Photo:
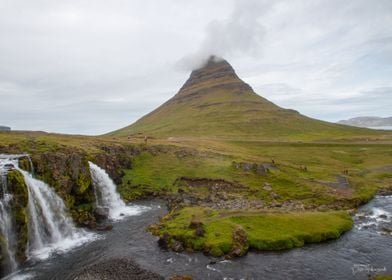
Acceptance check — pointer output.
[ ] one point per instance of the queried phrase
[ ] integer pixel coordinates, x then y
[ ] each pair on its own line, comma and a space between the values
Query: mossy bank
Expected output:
233, 233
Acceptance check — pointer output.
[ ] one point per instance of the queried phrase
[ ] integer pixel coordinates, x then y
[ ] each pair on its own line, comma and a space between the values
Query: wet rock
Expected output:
119, 269
101, 214
104, 227
383, 216
9, 166
385, 192
177, 246
163, 241
387, 230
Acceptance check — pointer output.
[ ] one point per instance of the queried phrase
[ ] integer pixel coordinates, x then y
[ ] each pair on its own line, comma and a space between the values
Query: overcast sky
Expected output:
90, 67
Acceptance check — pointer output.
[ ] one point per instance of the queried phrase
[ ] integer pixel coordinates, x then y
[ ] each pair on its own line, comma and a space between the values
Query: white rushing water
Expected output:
50, 227
378, 216
107, 196
6, 225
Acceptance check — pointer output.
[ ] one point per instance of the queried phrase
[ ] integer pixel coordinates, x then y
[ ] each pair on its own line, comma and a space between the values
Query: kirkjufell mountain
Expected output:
215, 102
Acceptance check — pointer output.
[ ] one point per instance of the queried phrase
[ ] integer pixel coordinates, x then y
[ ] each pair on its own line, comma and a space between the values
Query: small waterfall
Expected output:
107, 196
6, 225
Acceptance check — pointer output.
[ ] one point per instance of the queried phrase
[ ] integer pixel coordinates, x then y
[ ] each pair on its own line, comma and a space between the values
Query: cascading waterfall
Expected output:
107, 197
50, 228
6, 225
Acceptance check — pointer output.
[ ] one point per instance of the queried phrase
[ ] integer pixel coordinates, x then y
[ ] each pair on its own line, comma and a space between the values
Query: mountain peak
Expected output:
212, 62
214, 72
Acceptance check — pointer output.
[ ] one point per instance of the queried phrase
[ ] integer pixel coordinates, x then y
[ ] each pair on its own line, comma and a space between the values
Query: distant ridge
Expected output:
215, 102
4, 128
368, 121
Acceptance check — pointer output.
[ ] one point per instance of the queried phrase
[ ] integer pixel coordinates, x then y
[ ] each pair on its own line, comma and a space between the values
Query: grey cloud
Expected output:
94, 66
241, 33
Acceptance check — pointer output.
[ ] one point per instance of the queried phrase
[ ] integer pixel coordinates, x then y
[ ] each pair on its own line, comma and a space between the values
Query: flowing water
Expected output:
362, 251
6, 225
365, 248
107, 196
50, 228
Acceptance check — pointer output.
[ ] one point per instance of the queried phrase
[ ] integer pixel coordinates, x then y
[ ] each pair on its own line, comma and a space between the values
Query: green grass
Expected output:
265, 230
158, 172
383, 277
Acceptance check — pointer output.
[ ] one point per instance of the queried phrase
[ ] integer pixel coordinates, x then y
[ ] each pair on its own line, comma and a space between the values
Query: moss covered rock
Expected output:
67, 171
25, 164
17, 187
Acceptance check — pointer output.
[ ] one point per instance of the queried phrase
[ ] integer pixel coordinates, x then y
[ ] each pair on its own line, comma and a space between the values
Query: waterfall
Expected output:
50, 228
6, 225
107, 196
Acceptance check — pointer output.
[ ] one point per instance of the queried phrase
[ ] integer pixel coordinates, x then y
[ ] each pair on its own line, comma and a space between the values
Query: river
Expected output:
363, 249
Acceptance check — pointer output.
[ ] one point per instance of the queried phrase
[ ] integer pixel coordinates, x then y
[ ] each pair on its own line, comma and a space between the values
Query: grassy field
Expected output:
365, 166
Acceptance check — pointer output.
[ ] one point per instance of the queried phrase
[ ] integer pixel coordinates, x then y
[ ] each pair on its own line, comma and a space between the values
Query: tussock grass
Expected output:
265, 230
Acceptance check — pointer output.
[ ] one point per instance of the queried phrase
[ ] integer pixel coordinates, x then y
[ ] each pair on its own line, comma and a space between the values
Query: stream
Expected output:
363, 250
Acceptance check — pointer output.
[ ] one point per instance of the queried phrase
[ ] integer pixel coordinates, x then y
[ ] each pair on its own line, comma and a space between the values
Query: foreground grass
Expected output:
233, 233
383, 277
158, 172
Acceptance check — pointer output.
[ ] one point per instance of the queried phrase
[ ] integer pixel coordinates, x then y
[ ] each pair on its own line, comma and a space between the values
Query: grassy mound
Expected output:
233, 233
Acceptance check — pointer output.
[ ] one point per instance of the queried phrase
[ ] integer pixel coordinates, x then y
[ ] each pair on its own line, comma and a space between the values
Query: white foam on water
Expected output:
374, 218
64, 245
107, 196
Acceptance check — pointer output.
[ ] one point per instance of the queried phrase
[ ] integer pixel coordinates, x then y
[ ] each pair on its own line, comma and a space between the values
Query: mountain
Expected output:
368, 121
215, 102
4, 128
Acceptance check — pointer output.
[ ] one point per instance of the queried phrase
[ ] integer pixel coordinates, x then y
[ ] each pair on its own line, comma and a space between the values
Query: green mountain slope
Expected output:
215, 102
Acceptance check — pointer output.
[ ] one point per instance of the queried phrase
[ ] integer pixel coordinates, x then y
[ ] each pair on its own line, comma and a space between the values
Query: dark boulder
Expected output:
101, 214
